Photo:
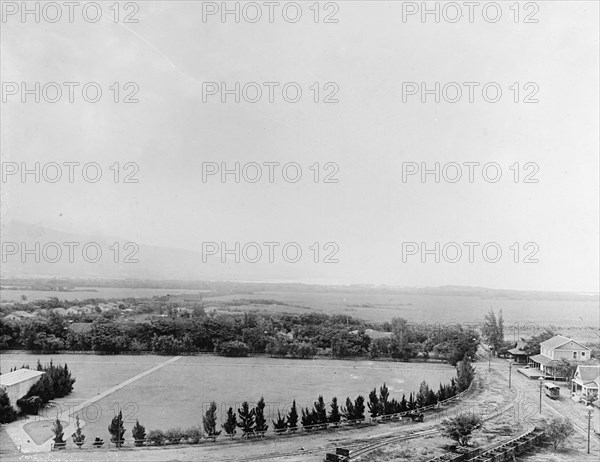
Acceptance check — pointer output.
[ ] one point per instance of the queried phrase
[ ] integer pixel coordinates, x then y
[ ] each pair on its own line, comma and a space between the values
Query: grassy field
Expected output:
93, 373
177, 394
378, 307
84, 293
523, 311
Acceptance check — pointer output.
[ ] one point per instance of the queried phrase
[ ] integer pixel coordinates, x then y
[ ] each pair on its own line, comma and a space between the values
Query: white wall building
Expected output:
16, 384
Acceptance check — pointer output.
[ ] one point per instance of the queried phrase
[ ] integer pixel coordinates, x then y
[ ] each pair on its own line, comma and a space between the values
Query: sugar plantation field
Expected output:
175, 395
83, 293
370, 306
519, 315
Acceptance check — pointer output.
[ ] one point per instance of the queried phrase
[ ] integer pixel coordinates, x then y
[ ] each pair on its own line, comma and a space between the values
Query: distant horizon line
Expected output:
306, 282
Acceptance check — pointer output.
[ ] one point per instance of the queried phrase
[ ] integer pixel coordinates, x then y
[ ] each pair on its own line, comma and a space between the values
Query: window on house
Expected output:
574, 355
583, 354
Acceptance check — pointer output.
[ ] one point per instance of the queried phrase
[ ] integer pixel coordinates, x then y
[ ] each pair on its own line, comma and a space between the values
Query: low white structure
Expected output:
16, 384
18, 315
586, 380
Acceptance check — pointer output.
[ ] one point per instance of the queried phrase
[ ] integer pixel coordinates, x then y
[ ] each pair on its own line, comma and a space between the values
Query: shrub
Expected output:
139, 434
230, 424
302, 350
30, 404
558, 430
233, 349
117, 430
292, 418
334, 413
185, 434
209, 422
246, 422
309, 419
194, 434
461, 427
7, 413
280, 425
174, 435
465, 374
260, 421
359, 409
156, 437
98, 442
78, 436
57, 429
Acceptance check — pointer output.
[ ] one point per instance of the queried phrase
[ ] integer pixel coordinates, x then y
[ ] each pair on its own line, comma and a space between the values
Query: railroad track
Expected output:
397, 439
361, 451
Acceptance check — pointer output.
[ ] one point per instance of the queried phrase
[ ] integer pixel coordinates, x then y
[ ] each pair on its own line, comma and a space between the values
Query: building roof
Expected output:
22, 314
81, 327
377, 334
517, 352
559, 340
555, 341
12, 378
374, 334
545, 360
588, 373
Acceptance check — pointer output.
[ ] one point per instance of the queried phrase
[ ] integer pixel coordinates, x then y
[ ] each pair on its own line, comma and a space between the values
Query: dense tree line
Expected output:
57, 382
281, 335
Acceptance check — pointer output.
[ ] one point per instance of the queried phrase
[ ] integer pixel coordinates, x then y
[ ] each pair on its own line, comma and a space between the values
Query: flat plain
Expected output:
178, 394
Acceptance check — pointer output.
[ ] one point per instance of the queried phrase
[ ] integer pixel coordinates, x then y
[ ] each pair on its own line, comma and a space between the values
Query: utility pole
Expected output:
118, 426
590, 411
541, 379
509, 372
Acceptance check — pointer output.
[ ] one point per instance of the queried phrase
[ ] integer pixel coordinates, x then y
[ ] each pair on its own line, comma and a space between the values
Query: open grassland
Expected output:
518, 315
177, 394
93, 373
522, 311
83, 293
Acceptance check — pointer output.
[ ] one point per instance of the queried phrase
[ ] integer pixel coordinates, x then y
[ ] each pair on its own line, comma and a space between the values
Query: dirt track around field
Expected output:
513, 408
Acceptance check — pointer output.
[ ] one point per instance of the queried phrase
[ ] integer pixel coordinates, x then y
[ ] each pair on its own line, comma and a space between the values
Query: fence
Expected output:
413, 415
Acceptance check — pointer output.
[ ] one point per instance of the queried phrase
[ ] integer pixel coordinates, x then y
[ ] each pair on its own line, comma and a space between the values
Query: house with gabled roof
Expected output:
74, 310
518, 354
18, 315
555, 349
17, 383
586, 380
597, 402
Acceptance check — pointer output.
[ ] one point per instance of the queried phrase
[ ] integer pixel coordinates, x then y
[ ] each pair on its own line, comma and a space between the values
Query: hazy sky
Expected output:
369, 134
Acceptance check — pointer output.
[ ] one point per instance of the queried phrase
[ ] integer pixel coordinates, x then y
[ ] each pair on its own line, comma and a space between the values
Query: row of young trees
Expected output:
252, 421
